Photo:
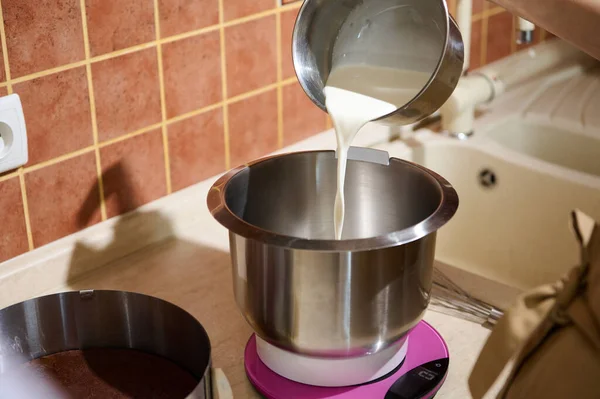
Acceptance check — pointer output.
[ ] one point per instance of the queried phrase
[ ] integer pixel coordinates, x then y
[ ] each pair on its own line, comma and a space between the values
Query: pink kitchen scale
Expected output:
420, 374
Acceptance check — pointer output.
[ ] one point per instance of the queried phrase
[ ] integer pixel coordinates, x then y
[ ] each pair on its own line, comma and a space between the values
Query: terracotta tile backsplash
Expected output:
288, 18
476, 58
57, 114
478, 6
234, 9
301, 118
42, 34
117, 24
251, 51
253, 127
180, 16
58, 193
2, 72
127, 93
128, 101
196, 148
192, 73
499, 45
13, 240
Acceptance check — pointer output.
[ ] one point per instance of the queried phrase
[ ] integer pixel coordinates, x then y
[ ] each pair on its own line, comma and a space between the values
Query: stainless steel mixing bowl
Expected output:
105, 319
305, 292
414, 35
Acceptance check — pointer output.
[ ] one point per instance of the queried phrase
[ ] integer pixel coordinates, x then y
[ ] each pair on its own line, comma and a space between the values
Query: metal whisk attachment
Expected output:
448, 298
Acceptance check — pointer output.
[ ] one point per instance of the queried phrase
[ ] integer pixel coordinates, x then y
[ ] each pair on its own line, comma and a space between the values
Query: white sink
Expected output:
512, 223
556, 145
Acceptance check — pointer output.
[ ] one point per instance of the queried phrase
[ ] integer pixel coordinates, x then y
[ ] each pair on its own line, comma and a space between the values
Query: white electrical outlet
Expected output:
13, 134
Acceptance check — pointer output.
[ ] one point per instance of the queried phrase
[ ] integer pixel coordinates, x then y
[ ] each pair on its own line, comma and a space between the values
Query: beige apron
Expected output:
552, 334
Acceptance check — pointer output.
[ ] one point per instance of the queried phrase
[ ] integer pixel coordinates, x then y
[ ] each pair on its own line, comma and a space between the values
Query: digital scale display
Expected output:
420, 381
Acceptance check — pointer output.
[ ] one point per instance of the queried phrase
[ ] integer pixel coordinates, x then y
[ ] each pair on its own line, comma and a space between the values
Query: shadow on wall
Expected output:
132, 231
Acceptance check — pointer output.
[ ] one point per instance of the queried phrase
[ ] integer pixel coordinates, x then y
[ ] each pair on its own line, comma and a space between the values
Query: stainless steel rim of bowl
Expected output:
217, 205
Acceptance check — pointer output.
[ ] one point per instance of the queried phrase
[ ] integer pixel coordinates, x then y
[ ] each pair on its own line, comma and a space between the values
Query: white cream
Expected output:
356, 95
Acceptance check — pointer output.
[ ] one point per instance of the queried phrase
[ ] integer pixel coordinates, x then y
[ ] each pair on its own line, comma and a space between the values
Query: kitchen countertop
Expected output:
192, 269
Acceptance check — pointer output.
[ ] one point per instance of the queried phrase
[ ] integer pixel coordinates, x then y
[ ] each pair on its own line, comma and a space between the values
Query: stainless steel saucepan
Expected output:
304, 291
411, 35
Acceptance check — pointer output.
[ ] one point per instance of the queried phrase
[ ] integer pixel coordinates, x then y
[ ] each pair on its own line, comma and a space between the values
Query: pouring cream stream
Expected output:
356, 95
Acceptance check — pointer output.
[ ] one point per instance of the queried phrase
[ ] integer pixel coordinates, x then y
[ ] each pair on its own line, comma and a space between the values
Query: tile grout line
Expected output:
196, 112
47, 72
328, 123
9, 176
252, 93
163, 103
26, 209
187, 35
20, 171
7, 76
248, 18
495, 11
289, 81
123, 51
478, 17
486, 12
59, 159
278, 42
90, 82
133, 134
226, 139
